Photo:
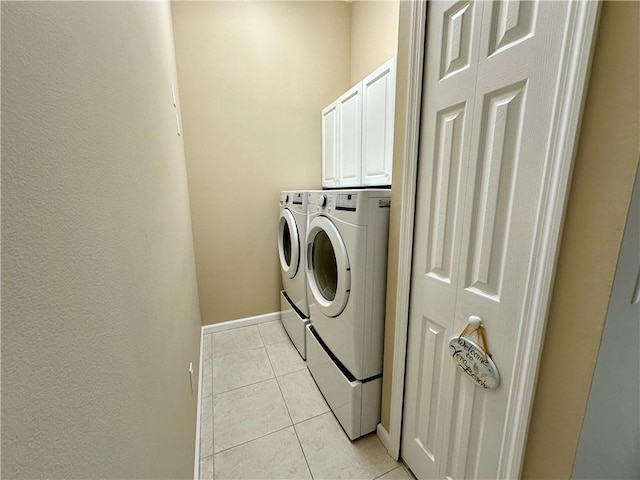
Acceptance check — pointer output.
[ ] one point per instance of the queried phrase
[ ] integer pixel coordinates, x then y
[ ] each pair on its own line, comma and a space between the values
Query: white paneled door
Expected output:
491, 87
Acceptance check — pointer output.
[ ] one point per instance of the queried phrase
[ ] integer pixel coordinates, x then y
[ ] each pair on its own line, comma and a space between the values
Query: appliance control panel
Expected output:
294, 200
347, 202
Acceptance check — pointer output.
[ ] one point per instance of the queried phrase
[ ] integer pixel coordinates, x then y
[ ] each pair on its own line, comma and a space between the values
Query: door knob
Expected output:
475, 321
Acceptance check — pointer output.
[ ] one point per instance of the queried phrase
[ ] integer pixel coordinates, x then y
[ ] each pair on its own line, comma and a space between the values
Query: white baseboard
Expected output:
242, 322
383, 435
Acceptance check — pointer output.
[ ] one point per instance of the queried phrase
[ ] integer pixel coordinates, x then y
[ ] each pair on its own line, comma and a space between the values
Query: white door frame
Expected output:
567, 113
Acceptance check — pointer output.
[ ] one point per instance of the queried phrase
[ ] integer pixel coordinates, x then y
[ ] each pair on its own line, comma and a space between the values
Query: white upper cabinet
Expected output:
357, 133
330, 146
378, 108
350, 137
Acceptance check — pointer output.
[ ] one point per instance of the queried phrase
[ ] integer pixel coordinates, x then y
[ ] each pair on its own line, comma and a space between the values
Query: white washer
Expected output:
346, 249
292, 230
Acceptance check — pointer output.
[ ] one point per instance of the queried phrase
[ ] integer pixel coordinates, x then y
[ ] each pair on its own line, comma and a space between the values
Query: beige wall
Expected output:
254, 77
602, 183
374, 35
600, 192
99, 303
251, 112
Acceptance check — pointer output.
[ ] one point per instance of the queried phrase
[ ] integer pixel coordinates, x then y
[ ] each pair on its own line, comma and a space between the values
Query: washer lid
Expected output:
328, 271
288, 244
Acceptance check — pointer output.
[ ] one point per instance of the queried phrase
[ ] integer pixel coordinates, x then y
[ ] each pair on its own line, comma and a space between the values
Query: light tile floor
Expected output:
263, 416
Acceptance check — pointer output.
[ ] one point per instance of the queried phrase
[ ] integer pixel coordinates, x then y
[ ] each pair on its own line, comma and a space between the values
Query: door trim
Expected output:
418, 24
567, 113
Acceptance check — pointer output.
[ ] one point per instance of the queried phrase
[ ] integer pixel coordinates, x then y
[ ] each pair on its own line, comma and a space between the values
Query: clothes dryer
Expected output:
346, 250
292, 229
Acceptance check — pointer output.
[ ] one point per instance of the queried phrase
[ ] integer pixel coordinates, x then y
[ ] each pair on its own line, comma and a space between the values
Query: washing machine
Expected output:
292, 230
346, 250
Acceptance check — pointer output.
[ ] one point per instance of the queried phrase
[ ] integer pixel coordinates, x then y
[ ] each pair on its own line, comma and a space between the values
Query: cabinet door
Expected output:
350, 137
330, 146
378, 105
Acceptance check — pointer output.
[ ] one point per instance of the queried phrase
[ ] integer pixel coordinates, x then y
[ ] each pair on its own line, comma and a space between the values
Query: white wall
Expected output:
99, 301
610, 440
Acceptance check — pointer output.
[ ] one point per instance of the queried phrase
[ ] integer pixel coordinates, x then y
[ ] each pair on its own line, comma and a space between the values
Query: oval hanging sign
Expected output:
474, 362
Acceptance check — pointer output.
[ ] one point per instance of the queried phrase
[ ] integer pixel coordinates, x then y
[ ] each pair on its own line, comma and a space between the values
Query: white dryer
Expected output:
346, 249
292, 230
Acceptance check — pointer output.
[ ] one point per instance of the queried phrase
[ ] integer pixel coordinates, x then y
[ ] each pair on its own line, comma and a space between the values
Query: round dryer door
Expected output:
288, 244
328, 271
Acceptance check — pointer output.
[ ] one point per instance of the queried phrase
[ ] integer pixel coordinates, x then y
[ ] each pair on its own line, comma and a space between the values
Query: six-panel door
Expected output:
490, 86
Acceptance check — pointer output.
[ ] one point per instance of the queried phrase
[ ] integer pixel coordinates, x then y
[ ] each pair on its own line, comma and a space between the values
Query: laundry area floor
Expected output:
262, 415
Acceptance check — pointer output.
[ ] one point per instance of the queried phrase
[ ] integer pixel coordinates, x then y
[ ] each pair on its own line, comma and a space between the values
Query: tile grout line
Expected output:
400, 464
311, 418
264, 346
251, 440
275, 431
203, 397
243, 386
211, 378
304, 367
201, 422
259, 381
293, 425
273, 343
261, 337
266, 350
213, 433
388, 471
237, 388
271, 364
236, 353
303, 454
213, 468
284, 401
306, 419
214, 394
300, 442
276, 377
293, 371
280, 389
